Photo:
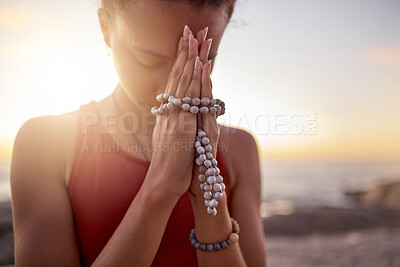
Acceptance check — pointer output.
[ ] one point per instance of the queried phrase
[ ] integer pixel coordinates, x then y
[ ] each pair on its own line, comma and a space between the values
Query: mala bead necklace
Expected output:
209, 174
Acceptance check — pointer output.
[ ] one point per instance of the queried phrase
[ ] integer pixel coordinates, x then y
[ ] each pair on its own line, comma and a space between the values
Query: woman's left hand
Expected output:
207, 122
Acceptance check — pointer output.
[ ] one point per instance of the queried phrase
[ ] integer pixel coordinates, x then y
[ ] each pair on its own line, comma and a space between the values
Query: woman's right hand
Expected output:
175, 131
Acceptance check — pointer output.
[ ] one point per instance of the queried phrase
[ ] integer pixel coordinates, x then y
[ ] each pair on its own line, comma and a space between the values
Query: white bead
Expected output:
223, 187
202, 186
171, 98
177, 101
210, 171
205, 140
185, 107
166, 96
200, 150
213, 110
213, 203
219, 179
205, 101
212, 211
201, 177
160, 110
202, 157
219, 109
218, 195
211, 179
170, 105
212, 102
209, 155
207, 202
207, 194
214, 162
165, 106
207, 187
217, 187
217, 171
204, 110
201, 134
208, 148
186, 100
159, 97
207, 163
196, 101
194, 109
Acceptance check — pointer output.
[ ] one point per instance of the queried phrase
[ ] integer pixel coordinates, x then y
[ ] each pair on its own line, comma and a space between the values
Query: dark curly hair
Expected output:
113, 5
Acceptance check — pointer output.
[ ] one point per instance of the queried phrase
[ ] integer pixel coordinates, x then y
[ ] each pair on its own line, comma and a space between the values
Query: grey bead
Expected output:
228, 242
185, 107
217, 171
194, 109
218, 195
208, 148
217, 187
202, 186
210, 247
202, 169
199, 162
219, 109
205, 140
213, 102
219, 179
211, 179
207, 194
207, 163
204, 110
203, 246
193, 241
224, 244
217, 246
201, 177
177, 101
197, 245
218, 101
197, 144
210, 171
202, 157
214, 162
207, 202
207, 187
196, 101
200, 150
186, 100
213, 110
205, 101
208, 154
201, 133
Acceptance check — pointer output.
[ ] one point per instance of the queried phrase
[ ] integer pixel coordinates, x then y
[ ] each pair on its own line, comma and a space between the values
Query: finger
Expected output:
187, 74
205, 50
194, 89
179, 46
201, 36
179, 64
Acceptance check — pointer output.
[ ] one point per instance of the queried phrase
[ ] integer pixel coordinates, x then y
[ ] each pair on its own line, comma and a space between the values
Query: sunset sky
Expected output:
331, 66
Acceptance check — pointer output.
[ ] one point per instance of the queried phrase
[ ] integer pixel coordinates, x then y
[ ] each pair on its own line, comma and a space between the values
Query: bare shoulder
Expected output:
240, 150
46, 142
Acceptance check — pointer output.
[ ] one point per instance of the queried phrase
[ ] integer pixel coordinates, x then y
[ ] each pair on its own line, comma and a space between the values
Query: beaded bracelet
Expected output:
209, 177
233, 238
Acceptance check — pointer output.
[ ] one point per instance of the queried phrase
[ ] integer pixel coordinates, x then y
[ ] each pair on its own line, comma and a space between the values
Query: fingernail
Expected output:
185, 32
197, 65
205, 33
209, 46
191, 40
209, 63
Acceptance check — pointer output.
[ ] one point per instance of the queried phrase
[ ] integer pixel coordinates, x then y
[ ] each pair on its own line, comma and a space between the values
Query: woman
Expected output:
80, 197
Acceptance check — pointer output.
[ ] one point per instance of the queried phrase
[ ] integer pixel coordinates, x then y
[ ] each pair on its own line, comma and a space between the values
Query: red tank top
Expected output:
104, 181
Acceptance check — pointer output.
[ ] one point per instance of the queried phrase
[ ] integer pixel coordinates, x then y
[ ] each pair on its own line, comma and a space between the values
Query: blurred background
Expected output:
321, 83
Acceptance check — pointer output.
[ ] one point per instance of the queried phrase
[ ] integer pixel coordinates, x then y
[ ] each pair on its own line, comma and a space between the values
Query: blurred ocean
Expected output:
286, 185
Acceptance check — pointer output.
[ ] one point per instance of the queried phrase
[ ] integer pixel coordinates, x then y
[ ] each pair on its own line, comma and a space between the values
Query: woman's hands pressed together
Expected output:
174, 133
